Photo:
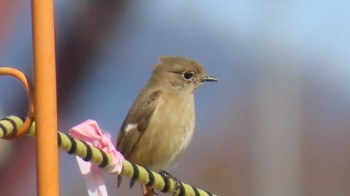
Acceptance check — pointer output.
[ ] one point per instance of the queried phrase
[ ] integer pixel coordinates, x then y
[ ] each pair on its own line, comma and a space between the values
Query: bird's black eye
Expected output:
187, 75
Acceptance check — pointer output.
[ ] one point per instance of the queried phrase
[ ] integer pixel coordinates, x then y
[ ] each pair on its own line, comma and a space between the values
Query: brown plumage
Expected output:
161, 121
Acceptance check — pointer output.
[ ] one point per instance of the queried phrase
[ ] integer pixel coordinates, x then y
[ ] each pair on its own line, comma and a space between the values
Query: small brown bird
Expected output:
161, 121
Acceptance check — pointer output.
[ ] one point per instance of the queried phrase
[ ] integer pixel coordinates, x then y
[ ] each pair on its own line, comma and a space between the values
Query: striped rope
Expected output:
10, 124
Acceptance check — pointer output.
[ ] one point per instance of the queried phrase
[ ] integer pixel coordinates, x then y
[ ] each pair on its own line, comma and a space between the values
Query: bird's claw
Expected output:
169, 176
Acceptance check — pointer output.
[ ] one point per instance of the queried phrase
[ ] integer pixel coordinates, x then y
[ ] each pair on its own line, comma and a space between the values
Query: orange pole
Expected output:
45, 97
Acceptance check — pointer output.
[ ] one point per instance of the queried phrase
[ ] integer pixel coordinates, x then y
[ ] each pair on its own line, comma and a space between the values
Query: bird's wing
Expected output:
137, 121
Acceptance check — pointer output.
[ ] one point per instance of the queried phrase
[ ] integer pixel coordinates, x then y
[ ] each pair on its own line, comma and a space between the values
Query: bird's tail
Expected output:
119, 180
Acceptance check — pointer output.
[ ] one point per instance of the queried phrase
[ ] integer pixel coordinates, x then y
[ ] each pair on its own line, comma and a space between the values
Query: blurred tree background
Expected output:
277, 123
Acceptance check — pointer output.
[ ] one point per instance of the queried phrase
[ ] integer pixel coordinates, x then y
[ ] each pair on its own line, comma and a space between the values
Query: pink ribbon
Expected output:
90, 132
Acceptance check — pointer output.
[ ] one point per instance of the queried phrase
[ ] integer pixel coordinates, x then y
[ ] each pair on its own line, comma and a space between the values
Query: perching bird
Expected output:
161, 121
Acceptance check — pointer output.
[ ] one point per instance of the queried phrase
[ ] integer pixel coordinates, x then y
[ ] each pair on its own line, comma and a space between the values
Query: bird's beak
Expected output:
209, 79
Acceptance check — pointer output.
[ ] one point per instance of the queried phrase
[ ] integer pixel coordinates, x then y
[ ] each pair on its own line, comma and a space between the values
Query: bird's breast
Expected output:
169, 132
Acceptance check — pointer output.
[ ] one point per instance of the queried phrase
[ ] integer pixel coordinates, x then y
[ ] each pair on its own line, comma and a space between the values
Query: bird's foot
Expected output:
169, 176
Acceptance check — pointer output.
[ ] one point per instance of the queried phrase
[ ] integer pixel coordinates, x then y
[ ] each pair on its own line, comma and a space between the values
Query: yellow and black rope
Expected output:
10, 124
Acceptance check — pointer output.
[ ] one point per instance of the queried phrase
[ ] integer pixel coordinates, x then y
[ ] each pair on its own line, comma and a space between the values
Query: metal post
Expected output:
45, 97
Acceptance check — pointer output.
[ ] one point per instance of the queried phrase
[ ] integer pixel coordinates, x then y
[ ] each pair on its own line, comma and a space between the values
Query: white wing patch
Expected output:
129, 127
